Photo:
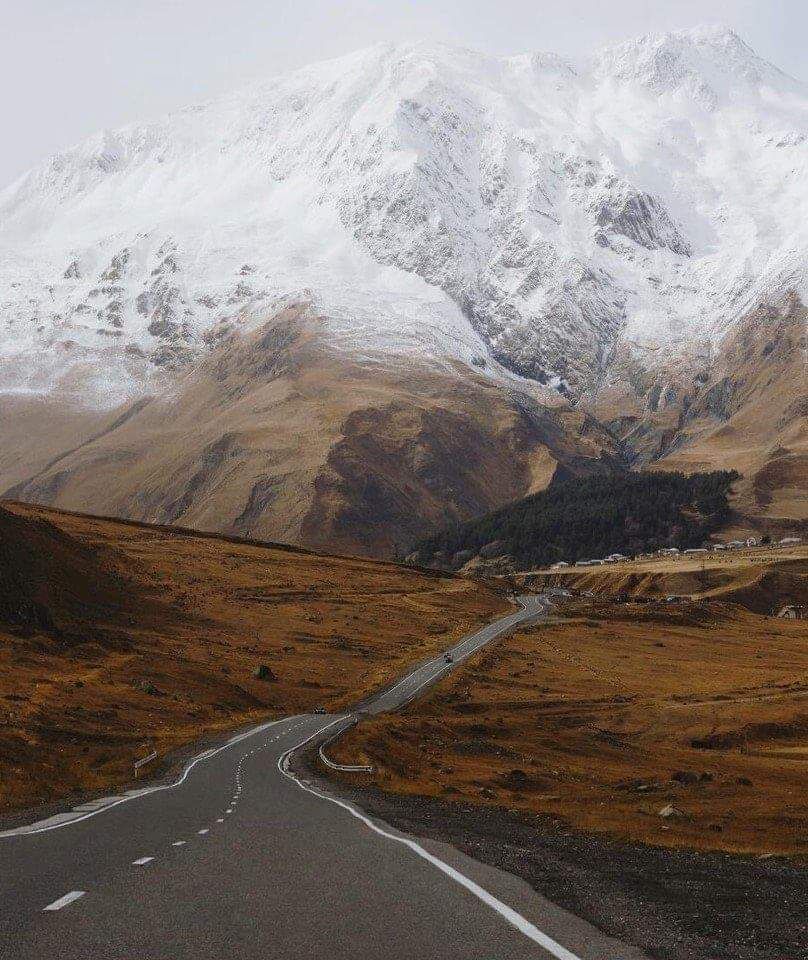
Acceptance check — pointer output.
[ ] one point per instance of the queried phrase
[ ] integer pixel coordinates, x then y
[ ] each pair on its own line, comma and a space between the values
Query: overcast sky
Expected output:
68, 69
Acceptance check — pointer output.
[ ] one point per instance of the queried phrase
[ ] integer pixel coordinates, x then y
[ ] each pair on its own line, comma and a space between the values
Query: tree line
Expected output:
592, 517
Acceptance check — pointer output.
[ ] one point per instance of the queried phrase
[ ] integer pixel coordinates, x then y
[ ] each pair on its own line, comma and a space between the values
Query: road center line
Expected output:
179, 843
65, 900
141, 861
32, 829
507, 913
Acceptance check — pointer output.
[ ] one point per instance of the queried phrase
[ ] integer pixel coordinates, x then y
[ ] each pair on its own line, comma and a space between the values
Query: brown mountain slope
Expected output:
119, 637
746, 408
52, 582
280, 435
752, 415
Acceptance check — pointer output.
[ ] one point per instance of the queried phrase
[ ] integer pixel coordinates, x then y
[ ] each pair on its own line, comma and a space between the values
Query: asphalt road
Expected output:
242, 859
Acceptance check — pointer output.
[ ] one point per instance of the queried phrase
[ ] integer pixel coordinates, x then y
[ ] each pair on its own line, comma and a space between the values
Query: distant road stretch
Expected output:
239, 858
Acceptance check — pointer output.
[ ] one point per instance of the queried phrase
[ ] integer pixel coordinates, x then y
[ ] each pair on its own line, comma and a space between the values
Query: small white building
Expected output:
560, 565
788, 541
696, 551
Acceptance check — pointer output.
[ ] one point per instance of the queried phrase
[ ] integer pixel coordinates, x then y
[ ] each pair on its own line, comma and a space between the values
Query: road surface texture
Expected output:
240, 857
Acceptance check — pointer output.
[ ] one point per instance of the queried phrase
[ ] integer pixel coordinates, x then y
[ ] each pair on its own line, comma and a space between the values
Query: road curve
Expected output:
242, 858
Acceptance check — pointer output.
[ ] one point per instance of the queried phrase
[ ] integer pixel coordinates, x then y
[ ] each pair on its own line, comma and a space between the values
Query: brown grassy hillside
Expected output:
277, 435
743, 406
115, 637
752, 415
673, 725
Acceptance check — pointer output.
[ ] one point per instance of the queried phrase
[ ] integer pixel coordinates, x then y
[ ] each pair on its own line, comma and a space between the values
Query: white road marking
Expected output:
220, 820
65, 900
229, 810
508, 913
456, 652
179, 843
203, 832
205, 755
141, 861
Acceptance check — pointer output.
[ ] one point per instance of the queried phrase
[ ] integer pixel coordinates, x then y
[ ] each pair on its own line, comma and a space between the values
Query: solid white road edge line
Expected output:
63, 901
508, 913
205, 755
429, 663
462, 655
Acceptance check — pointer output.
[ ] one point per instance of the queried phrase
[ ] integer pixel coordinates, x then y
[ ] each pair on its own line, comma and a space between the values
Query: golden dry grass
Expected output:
590, 720
154, 635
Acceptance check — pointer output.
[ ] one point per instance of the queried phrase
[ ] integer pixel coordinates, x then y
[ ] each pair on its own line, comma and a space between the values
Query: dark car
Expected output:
448, 658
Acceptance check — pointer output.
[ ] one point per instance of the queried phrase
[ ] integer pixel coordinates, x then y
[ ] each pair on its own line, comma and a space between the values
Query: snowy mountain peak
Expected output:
710, 62
519, 214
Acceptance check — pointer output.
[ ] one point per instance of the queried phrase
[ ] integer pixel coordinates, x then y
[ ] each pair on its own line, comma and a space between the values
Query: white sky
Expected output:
71, 67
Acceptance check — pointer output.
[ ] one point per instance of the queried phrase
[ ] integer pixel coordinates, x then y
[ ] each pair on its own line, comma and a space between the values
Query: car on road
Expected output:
448, 658
320, 710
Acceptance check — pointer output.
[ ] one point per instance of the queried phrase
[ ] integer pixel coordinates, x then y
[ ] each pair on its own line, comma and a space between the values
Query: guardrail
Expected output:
345, 767
140, 763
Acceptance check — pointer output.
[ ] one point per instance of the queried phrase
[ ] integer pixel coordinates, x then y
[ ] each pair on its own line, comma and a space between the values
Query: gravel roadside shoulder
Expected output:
671, 904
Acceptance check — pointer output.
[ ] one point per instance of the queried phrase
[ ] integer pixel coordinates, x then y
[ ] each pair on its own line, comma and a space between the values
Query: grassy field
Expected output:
116, 638
681, 725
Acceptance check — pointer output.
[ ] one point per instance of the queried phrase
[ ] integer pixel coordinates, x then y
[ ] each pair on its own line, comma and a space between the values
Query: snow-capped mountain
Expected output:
528, 209
404, 287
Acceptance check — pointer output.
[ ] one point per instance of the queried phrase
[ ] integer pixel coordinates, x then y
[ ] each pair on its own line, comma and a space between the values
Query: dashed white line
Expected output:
179, 843
507, 913
32, 829
141, 861
65, 900
203, 832
220, 820
229, 810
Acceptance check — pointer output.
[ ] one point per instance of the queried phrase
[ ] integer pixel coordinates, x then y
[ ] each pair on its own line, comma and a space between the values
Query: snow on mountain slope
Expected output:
528, 216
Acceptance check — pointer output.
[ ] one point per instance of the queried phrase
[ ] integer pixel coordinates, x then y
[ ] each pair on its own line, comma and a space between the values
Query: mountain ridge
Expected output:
586, 236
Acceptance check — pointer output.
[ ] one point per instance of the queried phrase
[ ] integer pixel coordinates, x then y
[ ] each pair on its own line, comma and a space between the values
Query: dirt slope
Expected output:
118, 637
761, 579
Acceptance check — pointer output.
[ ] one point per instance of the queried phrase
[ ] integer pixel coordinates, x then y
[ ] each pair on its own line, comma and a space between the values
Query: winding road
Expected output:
241, 857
